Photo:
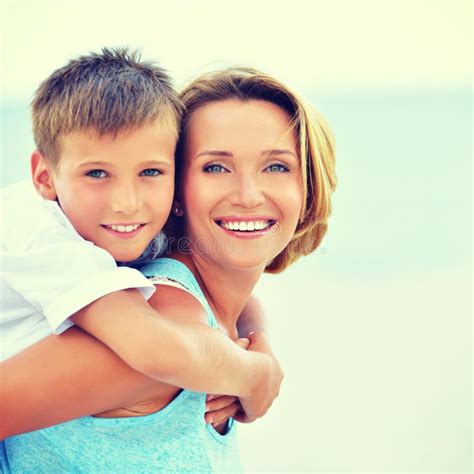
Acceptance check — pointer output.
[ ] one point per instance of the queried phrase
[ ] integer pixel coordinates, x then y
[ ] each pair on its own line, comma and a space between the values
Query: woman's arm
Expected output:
252, 318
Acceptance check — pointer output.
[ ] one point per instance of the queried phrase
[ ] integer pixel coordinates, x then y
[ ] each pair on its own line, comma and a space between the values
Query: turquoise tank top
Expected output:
174, 439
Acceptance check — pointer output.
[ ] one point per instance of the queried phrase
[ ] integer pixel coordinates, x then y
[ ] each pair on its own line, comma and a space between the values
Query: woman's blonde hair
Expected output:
314, 140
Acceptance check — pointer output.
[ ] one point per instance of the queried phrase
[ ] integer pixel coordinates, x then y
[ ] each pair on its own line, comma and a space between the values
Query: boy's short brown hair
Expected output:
105, 93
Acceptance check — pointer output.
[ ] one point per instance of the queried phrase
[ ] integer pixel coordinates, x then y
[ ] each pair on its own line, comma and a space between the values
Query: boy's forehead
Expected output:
159, 127
151, 141
77, 138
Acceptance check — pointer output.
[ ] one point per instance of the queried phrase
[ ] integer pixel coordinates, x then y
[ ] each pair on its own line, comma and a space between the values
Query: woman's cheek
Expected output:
198, 190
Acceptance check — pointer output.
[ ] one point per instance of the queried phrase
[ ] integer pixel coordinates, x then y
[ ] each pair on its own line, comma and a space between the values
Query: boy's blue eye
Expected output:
214, 168
278, 168
96, 174
150, 172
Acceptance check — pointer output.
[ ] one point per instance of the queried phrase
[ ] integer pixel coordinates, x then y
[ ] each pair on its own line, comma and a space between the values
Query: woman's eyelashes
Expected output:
272, 168
214, 168
277, 168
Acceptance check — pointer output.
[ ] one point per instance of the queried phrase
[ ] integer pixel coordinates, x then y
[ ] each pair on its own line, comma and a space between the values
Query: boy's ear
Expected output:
42, 174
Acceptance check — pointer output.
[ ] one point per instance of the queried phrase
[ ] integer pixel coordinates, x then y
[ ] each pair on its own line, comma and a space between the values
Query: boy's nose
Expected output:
126, 199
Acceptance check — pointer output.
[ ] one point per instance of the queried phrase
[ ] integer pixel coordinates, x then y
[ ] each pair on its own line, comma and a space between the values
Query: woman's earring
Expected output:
178, 212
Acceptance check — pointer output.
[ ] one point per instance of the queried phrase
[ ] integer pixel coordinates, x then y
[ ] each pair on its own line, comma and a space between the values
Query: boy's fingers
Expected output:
257, 337
259, 342
243, 342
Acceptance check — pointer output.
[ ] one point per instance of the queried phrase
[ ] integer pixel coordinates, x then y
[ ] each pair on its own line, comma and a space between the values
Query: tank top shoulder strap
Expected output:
172, 272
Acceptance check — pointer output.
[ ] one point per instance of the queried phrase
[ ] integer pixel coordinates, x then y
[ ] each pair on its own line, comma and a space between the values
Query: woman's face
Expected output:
242, 190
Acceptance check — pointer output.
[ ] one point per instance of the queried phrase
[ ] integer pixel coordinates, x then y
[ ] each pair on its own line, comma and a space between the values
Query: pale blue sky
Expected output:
310, 44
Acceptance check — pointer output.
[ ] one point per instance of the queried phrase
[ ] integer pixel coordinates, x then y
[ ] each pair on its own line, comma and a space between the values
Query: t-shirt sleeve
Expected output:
64, 276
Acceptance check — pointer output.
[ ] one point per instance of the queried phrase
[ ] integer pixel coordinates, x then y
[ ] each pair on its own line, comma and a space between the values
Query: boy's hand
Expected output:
267, 386
219, 408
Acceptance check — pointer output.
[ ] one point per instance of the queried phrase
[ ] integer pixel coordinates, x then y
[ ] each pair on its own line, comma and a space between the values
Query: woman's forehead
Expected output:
232, 121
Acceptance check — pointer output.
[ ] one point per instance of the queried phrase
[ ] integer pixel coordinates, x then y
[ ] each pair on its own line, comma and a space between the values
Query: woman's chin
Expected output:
244, 262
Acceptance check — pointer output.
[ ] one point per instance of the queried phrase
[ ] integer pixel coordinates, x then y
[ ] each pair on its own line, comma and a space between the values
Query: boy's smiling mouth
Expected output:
125, 230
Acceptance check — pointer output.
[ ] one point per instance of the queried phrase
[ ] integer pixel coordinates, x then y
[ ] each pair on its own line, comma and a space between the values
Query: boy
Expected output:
106, 127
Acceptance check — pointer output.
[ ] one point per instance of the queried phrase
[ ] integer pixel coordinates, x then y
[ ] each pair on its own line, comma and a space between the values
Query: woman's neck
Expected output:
227, 290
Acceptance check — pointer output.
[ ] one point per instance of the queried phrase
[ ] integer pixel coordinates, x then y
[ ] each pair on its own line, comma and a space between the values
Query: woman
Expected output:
254, 181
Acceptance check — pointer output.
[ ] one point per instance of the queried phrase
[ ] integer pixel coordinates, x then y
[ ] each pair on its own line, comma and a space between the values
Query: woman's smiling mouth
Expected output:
246, 227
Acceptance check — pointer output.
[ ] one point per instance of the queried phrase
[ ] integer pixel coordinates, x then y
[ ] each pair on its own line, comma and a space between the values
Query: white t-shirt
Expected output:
48, 271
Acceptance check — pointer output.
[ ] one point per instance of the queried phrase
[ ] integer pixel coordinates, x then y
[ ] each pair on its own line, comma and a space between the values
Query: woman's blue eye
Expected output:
278, 168
150, 172
214, 168
96, 174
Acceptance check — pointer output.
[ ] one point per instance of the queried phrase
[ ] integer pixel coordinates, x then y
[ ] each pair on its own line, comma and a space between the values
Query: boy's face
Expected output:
116, 191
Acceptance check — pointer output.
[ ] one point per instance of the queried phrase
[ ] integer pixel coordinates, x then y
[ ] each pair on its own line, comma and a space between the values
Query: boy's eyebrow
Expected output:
93, 163
106, 163
156, 162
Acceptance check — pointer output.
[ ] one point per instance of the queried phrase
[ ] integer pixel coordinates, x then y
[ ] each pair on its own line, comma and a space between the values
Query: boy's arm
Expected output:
186, 354
72, 375
64, 377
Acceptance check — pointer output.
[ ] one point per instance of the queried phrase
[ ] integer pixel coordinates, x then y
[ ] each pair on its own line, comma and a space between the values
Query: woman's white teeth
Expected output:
246, 226
124, 228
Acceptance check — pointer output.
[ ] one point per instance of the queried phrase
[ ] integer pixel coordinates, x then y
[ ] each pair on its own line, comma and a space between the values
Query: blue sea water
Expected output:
373, 329
404, 169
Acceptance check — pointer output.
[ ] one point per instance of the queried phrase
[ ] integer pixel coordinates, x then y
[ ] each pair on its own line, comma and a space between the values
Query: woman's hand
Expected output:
268, 383
219, 408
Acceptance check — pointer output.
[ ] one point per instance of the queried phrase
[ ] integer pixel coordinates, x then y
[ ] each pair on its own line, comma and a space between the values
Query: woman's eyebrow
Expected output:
214, 153
223, 153
276, 152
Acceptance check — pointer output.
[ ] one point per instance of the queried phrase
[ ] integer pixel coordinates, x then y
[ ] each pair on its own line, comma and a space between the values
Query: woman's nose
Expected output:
247, 192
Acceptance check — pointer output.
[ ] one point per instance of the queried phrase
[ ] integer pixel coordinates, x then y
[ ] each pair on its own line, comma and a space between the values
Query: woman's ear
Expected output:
43, 177
177, 210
